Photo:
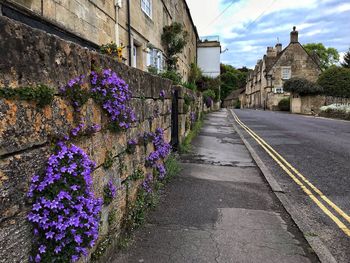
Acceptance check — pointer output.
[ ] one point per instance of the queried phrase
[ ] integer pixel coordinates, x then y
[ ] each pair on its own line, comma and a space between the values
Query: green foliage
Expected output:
335, 82
195, 73
108, 163
152, 70
137, 174
137, 212
328, 56
189, 85
185, 147
231, 79
42, 95
172, 75
302, 86
174, 39
207, 83
346, 63
284, 104
209, 93
101, 248
172, 166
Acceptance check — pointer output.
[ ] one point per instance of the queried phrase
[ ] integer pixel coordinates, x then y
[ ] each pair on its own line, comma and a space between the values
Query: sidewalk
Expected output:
219, 209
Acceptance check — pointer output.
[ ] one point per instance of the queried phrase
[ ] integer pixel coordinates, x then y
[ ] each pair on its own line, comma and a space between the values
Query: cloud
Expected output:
247, 27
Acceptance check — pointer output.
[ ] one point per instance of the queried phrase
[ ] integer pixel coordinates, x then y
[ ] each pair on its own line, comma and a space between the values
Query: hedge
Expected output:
302, 86
335, 82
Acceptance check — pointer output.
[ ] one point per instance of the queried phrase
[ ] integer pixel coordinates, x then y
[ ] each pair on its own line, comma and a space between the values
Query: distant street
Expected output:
320, 150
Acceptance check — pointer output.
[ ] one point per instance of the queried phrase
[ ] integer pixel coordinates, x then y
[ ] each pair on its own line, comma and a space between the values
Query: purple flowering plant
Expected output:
109, 192
65, 212
162, 94
113, 94
193, 117
147, 183
161, 151
75, 92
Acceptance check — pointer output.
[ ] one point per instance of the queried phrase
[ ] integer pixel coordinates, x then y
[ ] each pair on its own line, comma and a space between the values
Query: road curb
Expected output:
315, 243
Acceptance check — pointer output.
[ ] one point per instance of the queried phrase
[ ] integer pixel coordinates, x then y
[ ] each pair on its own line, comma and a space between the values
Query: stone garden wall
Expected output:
30, 57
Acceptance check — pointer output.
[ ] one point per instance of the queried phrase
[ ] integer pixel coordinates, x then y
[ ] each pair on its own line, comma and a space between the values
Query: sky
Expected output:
247, 27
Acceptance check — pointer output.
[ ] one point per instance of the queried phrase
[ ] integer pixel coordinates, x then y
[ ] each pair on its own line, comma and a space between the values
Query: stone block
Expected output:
38, 58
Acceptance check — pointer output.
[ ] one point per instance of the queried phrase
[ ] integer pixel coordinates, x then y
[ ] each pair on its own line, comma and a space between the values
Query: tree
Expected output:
346, 63
335, 82
174, 39
231, 79
328, 56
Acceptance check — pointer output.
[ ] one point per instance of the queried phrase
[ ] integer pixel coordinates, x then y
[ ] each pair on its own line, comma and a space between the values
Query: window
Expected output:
155, 59
146, 6
286, 72
278, 90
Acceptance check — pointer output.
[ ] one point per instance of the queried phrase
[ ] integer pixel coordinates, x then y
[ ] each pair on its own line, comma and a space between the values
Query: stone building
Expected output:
135, 24
264, 88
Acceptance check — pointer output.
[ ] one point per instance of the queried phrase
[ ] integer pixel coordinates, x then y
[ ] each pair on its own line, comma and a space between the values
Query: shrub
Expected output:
284, 104
195, 73
172, 75
190, 85
336, 82
209, 93
302, 86
206, 83
340, 111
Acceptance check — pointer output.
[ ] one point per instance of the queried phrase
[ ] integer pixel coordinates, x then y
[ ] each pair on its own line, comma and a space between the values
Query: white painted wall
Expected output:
209, 61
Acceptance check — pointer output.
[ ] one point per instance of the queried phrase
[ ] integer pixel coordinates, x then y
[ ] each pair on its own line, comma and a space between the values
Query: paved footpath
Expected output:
219, 209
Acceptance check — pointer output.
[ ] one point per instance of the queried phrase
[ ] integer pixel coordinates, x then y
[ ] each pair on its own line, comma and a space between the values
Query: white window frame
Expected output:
278, 90
155, 58
146, 7
286, 72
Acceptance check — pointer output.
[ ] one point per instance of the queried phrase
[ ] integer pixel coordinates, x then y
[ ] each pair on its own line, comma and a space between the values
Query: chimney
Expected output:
278, 47
270, 52
294, 36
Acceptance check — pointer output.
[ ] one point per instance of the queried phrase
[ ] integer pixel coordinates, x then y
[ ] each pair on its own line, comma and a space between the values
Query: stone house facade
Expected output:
95, 22
264, 88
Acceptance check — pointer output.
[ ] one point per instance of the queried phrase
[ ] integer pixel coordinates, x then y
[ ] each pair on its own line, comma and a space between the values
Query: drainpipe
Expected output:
117, 5
129, 31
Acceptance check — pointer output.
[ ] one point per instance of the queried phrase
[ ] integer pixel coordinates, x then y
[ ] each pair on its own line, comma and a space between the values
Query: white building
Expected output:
208, 56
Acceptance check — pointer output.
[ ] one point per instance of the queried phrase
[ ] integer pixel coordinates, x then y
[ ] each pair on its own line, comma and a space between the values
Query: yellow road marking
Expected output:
271, 152
329, 202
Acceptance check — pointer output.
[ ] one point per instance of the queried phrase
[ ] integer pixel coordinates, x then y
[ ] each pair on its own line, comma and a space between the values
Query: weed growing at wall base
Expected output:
185, 147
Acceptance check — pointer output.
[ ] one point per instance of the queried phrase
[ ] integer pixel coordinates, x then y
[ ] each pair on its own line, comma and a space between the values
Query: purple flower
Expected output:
113, 94
37, 258
42, 249
147, 183
161, 170
75, 258
72, 211
193, 116
162, 94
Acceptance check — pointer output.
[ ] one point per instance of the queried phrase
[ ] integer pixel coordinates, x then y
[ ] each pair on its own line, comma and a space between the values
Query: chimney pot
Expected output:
294, 36
270, 52
278, 47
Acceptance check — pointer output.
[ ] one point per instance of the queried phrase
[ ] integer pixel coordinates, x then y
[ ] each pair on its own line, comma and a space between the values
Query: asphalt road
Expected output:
320, 149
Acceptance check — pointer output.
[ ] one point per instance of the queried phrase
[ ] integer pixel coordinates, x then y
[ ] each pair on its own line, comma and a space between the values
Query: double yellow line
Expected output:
312, 191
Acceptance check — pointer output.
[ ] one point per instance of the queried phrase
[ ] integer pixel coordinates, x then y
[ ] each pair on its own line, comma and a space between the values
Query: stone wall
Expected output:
93, 20
30, 57
312, 104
